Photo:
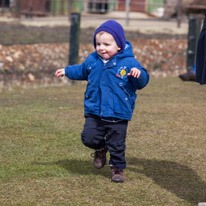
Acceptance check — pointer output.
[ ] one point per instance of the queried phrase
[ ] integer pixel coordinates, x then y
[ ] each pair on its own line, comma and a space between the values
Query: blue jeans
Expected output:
98, 134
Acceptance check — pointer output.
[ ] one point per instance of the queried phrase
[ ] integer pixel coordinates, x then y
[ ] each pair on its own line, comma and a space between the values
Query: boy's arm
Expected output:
78, 71
139, 77
75, 72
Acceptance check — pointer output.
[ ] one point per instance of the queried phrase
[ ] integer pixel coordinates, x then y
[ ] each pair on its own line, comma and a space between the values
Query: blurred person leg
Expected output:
201, 56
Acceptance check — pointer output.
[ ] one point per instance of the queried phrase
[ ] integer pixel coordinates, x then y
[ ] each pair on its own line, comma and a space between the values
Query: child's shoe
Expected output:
117, 174
100, 158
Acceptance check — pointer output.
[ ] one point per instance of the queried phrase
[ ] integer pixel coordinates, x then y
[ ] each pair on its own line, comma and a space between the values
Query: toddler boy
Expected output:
113, 75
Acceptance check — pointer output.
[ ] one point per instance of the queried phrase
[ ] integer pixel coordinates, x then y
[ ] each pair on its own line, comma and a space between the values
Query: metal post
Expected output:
3, 6
74, 38
62, 7
54, 7
179, 13
198, 28
70, 3
146, 6
193, 33
17, 8
127, 11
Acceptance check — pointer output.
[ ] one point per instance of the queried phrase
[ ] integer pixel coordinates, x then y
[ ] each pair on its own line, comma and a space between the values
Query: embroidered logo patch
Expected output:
122, 72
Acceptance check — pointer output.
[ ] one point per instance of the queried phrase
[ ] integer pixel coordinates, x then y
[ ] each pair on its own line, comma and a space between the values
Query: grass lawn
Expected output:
43, 162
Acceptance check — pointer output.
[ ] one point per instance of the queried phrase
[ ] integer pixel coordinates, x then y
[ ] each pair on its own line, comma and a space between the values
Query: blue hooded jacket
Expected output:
110, 92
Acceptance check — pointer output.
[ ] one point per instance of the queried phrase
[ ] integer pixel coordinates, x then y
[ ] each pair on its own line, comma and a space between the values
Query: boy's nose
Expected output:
101, 47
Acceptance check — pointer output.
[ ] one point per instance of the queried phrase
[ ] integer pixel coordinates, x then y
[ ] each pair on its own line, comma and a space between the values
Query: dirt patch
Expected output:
32, 54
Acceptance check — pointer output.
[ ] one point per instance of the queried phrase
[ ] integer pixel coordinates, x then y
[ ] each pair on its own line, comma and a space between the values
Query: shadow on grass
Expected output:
174, 177
79, 167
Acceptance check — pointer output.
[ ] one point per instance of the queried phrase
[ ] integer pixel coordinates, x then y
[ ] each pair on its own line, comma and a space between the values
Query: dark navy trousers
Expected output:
98, 133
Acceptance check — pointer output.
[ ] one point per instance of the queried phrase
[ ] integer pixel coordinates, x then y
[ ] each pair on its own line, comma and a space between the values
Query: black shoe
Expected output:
117, 174
100, 158
188, 76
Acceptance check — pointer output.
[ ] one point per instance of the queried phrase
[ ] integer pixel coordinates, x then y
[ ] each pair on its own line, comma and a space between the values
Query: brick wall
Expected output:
135, 5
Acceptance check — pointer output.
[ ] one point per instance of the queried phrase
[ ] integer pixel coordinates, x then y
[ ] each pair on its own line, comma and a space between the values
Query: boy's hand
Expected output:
134, 72
60, 73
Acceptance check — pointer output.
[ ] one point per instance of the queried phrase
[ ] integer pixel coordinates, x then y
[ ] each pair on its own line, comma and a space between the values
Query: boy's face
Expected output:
106, 46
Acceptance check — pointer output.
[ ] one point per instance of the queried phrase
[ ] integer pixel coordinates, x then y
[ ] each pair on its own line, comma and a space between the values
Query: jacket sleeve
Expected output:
77, 72
143, 79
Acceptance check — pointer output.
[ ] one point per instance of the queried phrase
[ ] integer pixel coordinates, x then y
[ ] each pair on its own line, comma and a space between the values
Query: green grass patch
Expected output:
43, 162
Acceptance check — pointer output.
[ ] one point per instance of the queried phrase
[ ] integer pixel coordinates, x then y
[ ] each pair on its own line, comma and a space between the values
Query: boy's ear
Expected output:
118, 48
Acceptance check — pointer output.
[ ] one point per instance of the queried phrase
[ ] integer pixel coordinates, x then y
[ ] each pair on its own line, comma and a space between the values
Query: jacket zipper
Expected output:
128, 94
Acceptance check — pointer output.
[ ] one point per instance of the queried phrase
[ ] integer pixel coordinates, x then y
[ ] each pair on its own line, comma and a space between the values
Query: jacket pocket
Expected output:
122, 105
130, 95
90, 98
124, 101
